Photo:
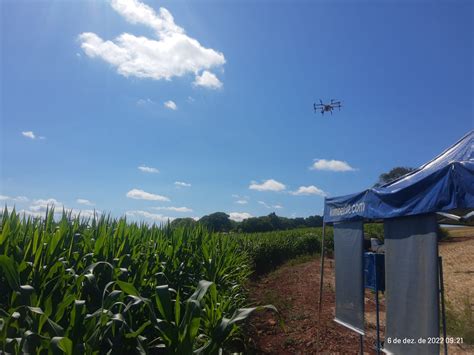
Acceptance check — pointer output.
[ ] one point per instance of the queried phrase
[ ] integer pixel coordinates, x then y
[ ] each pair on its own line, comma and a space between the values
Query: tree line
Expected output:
221, 222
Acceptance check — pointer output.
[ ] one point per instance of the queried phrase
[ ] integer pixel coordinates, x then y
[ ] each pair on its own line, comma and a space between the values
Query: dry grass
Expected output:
458, 265
458, 269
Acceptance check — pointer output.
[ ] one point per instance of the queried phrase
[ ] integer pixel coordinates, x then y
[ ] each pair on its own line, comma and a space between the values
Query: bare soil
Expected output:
294, 289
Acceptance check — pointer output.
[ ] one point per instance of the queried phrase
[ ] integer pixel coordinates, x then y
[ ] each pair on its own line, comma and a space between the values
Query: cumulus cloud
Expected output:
171, 54
182, 184
86, 213
207, 80
41, 205
267, 185
31, 135
148, 169
28, 134
239, 216
14, 199
83, 201
241, 202
152, 216
331, 165
138, 194
170, 105
38, 209
174, 209
309, 190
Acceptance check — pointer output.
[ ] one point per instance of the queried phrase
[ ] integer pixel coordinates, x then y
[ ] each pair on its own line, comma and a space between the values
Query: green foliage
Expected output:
393, 174
443, 233
460, 323
217, 222
183, 223
374, 230
79, 286
272, 222
271, 249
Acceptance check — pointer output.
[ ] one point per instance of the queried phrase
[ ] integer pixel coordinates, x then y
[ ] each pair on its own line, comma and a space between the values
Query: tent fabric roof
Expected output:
444, 184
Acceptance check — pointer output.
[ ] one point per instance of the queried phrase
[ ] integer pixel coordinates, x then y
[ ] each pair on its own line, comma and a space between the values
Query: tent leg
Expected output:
321, 284
377, 309
321, 273
361, 344
443, 309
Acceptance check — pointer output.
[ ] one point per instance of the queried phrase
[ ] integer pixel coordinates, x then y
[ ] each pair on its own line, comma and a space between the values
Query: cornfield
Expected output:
269, 250
102, 285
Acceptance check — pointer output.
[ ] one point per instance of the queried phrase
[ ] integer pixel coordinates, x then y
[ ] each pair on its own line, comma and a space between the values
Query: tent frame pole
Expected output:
321, 272
320, 304
377, 304
443, 308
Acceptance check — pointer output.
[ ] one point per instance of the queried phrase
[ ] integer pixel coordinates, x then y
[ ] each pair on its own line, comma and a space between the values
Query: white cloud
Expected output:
207, 80
41, 205
239, 216
142, 195
309, 190
83, 201
31, 213
87, 213
38, 209
331, 165
267, 185
174, 209
28, 134
14, 199
143, 102
152, 216
78, 212
172, 54
266, 205
136, 12
191, 99
171, 105
182, 184
148, 169
241, 200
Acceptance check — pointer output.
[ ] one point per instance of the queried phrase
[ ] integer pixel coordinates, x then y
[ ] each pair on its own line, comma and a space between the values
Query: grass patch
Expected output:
460, 323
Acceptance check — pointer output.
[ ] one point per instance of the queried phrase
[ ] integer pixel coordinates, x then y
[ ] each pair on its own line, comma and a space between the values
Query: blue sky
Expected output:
218, 95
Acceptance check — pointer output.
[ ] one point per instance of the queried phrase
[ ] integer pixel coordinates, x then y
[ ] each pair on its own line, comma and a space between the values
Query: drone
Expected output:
327, 107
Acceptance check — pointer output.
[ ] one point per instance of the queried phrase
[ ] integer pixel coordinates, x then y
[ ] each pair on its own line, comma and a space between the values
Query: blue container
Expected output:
374, 269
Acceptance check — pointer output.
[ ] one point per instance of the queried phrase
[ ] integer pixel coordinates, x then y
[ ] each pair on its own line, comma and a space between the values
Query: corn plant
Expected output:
270, 249
102, 285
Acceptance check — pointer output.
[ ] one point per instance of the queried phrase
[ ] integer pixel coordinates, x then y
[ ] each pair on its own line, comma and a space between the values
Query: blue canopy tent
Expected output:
444, 184
441, 190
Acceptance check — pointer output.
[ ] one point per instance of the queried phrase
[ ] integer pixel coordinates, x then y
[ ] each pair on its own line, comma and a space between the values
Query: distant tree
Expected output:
217, 222
314, 221
256, 224
183, 222
393, 174
275, 221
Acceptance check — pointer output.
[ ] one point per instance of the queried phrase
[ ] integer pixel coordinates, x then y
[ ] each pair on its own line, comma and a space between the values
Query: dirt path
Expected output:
293, 289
